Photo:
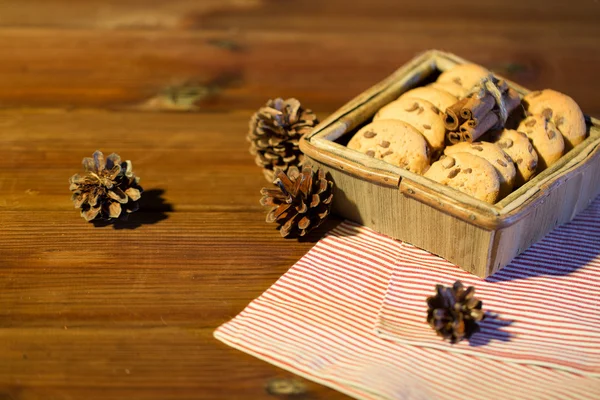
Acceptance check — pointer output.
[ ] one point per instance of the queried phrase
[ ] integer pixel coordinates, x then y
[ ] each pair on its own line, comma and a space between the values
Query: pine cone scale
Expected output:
277, 212
99, 162
303, 224
113, 160
315, 201
133, 193
88, 164
90, 214
306, 183
117, 194
302, 208
284, 183
114, 210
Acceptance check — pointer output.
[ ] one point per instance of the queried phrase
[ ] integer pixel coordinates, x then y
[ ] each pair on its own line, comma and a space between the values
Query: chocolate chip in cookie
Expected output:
547, 113
507, 144
453, 173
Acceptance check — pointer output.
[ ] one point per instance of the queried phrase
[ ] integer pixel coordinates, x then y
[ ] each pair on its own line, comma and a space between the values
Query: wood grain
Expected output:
127, 312
223, 69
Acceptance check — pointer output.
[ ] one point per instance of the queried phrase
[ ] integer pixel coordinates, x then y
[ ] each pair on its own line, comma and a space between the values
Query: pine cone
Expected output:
454, 312
107, 190
301, 202
275, 132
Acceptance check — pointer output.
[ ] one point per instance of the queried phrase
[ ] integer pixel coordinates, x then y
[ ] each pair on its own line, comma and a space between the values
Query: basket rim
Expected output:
320, 145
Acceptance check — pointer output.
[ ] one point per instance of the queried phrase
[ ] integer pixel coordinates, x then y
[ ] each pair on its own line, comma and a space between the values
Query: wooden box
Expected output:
477, 236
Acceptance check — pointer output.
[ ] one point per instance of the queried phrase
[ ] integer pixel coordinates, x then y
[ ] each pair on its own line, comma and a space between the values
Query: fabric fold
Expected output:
542, 308
317, 321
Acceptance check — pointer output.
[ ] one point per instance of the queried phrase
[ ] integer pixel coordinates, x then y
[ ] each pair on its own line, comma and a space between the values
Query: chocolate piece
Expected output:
412, 108
426, 126
532, 165
369, 134
453, 173
385, 144
499, 161
507, 144
547, 113
371, 153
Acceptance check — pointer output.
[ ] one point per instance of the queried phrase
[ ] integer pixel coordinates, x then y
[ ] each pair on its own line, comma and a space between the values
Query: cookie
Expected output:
450, 88
547, 141
422, 115
468, 173
562, 110
465, 75
437, 97
519, 148
495, 156
395, 142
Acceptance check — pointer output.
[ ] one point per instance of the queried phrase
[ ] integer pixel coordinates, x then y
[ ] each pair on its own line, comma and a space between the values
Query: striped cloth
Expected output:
545, 305
323, 320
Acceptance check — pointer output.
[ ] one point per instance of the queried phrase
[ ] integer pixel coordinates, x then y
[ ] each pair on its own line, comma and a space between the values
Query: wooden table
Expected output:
127, 312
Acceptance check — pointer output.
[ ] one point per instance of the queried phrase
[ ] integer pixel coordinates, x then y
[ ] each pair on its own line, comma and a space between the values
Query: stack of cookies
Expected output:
410, 133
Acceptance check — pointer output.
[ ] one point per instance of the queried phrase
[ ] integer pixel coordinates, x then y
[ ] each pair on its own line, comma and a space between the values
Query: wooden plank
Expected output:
186, 70
331, 15
88, 312
200, 161
99, 312
128, 311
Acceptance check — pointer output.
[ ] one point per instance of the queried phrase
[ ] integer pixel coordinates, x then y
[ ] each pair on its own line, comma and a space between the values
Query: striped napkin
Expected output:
544, 307
321, 319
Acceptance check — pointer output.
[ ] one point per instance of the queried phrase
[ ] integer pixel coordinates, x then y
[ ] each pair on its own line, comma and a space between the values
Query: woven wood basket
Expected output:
477, 236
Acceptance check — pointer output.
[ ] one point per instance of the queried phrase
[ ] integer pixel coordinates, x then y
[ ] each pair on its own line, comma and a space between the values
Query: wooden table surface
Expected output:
127, 312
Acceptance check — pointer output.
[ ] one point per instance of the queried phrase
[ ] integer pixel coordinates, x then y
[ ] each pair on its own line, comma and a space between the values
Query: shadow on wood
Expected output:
153, 209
